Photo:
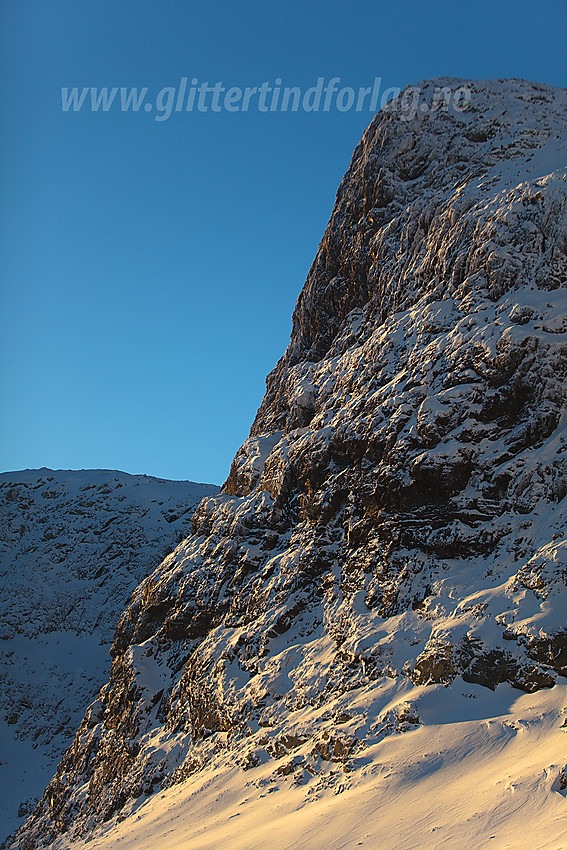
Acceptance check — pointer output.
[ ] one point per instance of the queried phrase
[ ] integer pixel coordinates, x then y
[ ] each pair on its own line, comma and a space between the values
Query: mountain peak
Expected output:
426, 159
389, 544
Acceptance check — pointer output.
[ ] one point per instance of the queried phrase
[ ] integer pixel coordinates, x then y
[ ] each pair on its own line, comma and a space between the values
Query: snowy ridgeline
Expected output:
73, 546
370, 618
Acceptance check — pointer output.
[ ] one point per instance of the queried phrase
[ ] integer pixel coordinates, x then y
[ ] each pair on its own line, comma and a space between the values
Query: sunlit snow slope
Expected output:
481, 772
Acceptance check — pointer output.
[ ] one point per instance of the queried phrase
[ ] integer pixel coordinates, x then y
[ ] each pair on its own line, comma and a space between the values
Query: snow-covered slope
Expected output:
479, 772
73, 546
384, 572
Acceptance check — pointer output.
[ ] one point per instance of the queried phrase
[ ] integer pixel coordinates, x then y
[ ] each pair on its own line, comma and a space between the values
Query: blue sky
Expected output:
150, 268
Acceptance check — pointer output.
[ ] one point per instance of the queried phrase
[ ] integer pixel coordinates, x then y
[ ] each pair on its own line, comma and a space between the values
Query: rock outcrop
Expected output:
398, 511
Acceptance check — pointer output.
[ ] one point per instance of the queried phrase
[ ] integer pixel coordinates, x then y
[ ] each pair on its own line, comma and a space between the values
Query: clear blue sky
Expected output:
150, 268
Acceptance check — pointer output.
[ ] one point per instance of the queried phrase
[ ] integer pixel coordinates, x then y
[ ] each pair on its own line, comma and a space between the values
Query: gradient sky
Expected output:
150, 268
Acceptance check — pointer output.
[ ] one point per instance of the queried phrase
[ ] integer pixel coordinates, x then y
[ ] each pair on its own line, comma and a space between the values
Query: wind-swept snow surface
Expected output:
481, 770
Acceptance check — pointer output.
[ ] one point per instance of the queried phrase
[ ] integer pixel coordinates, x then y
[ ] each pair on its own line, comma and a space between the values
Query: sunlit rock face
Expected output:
396, 518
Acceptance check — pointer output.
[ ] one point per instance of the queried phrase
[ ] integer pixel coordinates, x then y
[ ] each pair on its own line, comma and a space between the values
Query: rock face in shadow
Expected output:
73, 546
398, 509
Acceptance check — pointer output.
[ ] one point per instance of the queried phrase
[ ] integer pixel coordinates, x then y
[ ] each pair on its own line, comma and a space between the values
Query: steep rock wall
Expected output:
397, 514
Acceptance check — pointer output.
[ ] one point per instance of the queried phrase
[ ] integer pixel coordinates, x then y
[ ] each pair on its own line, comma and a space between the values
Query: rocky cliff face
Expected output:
396, 518
73, 546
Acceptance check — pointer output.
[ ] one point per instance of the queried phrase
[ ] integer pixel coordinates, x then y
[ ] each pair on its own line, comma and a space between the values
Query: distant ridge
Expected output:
73, 546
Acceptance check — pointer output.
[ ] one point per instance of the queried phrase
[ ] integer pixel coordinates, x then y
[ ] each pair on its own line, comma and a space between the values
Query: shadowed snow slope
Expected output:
73, 546
370, 618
